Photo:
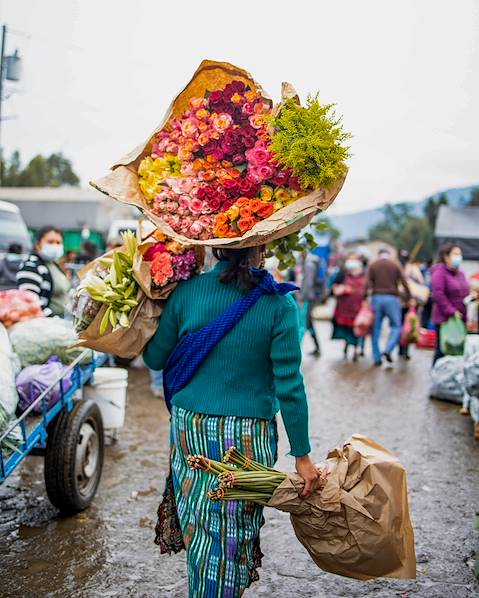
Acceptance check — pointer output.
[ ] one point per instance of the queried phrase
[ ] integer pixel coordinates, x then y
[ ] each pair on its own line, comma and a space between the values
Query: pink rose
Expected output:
260, 155
247, 109
196, 228
196, 205
172, 206
265, 171
184, 201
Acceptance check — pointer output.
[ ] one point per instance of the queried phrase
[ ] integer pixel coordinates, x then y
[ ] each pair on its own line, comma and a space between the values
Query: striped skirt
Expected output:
221, 538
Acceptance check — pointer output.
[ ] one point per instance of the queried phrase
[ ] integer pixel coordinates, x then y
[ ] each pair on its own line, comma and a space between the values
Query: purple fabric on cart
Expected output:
35, 379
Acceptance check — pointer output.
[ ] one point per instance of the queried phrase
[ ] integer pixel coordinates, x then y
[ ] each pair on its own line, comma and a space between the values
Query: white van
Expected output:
15, 243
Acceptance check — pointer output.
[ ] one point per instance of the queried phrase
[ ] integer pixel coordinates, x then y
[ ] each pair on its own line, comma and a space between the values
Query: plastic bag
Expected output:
471, 374
363, 322
426, 339
453, 336
410, 329
9, 367
35, 379
18, 306
448, 381
37, 340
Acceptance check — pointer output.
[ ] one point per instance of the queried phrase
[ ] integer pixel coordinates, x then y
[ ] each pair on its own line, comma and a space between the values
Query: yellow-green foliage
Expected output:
310, 140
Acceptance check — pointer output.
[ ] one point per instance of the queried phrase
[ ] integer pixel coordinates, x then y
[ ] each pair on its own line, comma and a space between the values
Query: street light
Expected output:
10, 69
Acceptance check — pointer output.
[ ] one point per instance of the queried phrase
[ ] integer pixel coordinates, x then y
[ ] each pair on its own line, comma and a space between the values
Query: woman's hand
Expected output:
306, 469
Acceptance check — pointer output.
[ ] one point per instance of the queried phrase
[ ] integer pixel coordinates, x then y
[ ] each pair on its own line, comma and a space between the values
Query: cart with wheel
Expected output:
69, 435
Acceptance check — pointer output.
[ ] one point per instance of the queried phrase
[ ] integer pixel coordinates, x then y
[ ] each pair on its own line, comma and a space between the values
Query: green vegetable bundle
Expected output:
118, 290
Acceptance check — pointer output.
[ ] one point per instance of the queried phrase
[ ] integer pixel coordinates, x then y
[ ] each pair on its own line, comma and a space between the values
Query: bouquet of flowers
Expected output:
160, 263
226, 167
356, 523
117, 305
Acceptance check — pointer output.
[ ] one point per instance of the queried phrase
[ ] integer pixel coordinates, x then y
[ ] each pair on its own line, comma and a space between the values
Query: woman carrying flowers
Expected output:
251, 371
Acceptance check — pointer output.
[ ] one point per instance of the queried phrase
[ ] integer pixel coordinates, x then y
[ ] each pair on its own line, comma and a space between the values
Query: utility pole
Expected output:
2, 55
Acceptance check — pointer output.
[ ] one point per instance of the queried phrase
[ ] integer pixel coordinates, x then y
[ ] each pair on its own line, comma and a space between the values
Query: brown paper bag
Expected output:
124, 342
122, 183
358, 525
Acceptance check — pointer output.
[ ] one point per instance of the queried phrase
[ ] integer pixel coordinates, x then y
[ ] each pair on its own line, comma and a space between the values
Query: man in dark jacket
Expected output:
384, 278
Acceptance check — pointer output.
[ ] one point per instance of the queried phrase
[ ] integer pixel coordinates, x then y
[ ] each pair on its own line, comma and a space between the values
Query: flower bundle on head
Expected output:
170, 261
218, 169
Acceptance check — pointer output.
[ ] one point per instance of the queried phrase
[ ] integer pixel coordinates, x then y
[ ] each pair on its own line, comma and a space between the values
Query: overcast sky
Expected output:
99, 74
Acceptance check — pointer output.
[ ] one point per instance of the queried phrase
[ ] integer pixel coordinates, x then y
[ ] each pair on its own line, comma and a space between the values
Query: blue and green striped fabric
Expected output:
221, 538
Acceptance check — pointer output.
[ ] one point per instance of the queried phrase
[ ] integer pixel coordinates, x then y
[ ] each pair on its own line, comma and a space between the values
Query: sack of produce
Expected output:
447, 377
33, 380
9, 367
363, 323
453, 336
357, 522
35, 341
227, 169
18, 306
471, 374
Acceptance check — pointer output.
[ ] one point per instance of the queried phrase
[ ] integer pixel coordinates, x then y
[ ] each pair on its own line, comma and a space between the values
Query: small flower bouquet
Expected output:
160, 263
356, 523
226, 168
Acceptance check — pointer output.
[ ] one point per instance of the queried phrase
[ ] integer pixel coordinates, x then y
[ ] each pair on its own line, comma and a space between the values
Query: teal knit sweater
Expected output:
254, 371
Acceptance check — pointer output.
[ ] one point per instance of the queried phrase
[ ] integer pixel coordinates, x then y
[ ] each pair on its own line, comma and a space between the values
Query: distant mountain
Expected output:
355, 226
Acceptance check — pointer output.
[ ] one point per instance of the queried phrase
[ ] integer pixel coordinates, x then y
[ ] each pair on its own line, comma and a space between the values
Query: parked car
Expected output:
15, 243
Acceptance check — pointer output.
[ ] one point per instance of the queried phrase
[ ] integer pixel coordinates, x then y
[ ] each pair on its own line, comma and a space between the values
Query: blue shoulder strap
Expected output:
193, 348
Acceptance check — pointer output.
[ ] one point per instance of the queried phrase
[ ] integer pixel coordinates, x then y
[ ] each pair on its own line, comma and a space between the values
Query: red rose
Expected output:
229, 184
239, 159
280, 178
215, 96
214, 204
294, 183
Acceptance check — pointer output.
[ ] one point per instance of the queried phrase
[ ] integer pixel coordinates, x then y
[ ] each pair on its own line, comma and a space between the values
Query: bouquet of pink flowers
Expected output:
225, 160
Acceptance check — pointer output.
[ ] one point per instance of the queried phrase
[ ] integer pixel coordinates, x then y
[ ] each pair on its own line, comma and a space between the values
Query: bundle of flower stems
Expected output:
239, 477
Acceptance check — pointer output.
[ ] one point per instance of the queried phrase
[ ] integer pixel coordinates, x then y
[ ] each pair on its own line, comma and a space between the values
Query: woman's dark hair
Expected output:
45, 230
445, 250
240, 263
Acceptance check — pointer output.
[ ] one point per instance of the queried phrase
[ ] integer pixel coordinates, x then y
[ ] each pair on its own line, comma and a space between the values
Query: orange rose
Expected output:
221, 230
234, 173
159, 236
265, 210
246, 211
226, 164
209, 175
246, 224
198, 164
221, 219
241, 201
255, 205
211, 159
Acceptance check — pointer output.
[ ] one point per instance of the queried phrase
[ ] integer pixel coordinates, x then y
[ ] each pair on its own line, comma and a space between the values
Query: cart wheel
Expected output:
74, 457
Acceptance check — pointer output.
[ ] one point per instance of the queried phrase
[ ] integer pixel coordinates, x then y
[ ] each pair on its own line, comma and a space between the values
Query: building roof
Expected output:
457, 223
62, 194
67, 208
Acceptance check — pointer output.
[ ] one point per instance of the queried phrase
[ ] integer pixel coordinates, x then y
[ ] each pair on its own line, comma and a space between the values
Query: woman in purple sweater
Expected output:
449, 289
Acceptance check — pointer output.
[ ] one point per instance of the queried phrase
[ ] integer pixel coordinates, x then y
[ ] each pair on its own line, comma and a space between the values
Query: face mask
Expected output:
456, 261
352, 264
51, 251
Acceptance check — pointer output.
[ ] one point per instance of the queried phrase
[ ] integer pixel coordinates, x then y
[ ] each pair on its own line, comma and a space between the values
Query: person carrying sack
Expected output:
228, 341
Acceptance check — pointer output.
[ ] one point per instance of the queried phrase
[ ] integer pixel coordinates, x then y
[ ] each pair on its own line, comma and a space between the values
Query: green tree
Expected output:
54, 171
474, 199
402, 230
431, 209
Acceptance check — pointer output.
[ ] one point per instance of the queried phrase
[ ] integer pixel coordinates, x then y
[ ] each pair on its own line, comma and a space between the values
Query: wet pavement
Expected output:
108, 550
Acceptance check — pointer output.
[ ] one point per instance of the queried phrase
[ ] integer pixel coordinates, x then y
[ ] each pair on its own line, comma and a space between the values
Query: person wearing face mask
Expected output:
349, 289
42, 274
449, 287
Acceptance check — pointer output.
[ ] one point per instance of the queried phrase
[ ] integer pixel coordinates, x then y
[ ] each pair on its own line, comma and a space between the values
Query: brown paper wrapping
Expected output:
124, 342
122, 183
359, 525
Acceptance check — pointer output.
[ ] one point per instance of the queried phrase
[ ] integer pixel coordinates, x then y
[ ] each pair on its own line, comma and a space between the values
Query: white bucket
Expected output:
109, 393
